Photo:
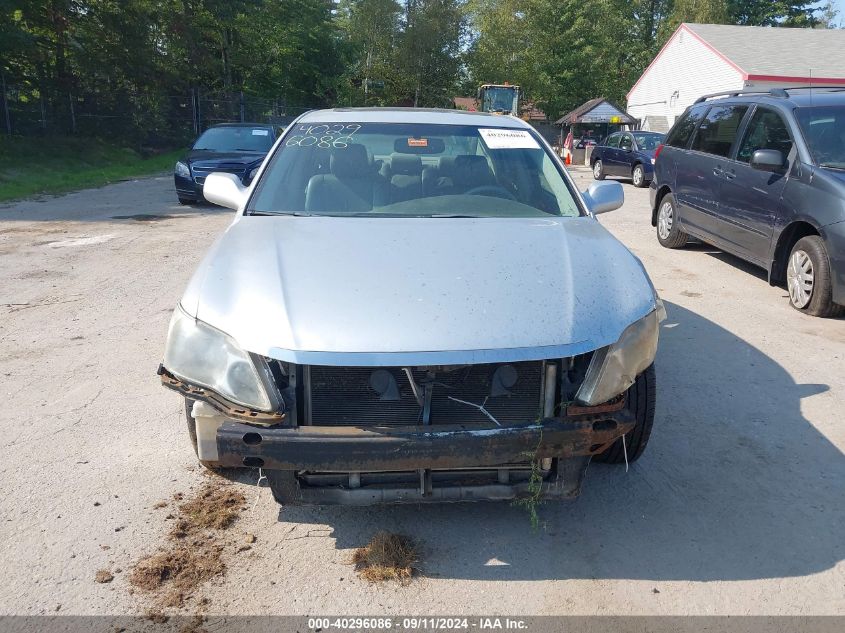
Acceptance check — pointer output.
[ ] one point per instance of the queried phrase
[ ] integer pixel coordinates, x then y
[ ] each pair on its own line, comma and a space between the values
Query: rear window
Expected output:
717, 132
681, 133
648, 142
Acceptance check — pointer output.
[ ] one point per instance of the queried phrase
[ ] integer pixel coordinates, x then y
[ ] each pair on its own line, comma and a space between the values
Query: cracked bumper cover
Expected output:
581, 432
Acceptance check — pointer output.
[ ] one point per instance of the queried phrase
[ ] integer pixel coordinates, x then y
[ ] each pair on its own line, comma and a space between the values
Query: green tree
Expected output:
372, 30
773, 12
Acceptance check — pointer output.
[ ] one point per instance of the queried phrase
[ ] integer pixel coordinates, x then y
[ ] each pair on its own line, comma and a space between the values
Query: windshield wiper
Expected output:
297, 215
840, 166
455, 215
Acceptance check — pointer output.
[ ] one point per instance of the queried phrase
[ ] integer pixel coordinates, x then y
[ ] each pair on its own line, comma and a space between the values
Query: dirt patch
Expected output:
103, 576
387, 556
195, 548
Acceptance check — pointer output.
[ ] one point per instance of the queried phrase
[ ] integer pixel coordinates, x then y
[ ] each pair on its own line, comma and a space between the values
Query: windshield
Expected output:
498, 99
412, 170
648, 142
824, 131
235, 139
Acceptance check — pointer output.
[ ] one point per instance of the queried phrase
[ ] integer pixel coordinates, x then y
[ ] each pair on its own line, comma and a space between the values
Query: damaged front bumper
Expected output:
393, 461
395, 448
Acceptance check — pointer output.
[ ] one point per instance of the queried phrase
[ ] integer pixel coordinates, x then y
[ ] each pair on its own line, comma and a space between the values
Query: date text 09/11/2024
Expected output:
417, 623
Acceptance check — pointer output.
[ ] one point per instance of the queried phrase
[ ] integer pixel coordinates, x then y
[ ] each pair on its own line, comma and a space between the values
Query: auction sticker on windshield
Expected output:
507, 139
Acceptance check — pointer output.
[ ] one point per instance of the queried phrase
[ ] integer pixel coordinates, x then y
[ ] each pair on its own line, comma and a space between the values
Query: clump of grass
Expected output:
194, 553
387, 556
213, 507
534, 497
182, 568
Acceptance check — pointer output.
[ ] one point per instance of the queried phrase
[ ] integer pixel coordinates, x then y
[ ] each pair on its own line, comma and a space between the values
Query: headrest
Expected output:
472, 169
350, 161
446, 164
405, 164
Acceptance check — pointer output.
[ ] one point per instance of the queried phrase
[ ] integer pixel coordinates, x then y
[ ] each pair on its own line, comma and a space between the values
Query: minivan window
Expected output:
717, 132
766, 130
683, 129
824, 131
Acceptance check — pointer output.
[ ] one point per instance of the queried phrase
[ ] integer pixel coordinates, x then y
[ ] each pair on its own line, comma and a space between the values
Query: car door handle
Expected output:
730, 174
718, 171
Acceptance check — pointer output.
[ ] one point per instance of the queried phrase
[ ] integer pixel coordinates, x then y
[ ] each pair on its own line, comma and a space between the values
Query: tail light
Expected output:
657, 151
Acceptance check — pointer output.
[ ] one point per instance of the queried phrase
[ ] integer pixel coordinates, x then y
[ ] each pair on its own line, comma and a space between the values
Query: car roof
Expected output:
268, 125
793, 98
413, 115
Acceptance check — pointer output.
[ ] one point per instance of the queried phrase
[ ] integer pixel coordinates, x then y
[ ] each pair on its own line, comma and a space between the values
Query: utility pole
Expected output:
6, 105
72, 114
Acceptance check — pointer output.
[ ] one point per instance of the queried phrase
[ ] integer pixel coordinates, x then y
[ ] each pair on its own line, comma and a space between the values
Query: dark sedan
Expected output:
626, 154
235, 148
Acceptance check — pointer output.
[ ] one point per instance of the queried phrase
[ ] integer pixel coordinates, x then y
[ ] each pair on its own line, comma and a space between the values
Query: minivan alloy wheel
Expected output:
800, 279
664, 220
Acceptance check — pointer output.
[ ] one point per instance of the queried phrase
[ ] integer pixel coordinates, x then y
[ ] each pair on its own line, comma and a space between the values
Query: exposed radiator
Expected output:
343, 396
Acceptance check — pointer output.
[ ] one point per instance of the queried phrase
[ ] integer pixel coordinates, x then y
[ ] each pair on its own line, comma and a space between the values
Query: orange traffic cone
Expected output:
568, 159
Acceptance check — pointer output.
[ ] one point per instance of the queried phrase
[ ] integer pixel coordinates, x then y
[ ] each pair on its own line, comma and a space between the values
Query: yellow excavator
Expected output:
499, 98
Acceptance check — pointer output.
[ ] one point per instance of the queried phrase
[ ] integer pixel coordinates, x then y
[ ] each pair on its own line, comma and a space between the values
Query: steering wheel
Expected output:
495, 191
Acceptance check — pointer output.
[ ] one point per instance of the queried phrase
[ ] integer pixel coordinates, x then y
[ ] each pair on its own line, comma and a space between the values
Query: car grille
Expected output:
200, 173
342, 396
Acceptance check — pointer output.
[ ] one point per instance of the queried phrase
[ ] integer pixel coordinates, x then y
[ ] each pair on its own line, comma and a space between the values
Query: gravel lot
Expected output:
737, 507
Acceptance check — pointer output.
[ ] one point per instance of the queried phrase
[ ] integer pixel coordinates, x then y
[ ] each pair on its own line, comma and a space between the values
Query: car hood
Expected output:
836, 174
209, 159
365, 291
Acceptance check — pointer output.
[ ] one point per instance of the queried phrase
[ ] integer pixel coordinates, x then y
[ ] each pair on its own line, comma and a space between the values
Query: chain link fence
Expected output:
143, 120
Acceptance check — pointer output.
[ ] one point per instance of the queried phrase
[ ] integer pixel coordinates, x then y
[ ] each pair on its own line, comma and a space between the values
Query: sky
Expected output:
839, 5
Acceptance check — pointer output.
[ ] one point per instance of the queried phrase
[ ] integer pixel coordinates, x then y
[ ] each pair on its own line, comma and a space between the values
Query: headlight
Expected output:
204, 356
181, 169
615, 368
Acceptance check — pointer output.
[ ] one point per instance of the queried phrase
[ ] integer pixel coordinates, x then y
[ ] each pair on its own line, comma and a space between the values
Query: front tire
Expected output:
640, 401
638, 176
668, 233
808, 279
598, 170
285, 487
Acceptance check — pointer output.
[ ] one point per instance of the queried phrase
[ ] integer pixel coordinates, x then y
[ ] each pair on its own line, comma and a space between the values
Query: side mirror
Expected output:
768, 160
605, 196
225, 190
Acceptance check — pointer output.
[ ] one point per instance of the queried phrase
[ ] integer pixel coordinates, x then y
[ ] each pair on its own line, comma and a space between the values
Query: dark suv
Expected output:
762, 176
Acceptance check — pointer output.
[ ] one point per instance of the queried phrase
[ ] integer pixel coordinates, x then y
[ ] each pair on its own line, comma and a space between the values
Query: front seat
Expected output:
351, 187
405, 178
471, 172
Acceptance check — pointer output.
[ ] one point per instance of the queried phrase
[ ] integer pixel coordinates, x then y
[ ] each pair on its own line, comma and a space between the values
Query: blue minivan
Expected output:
761, 175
